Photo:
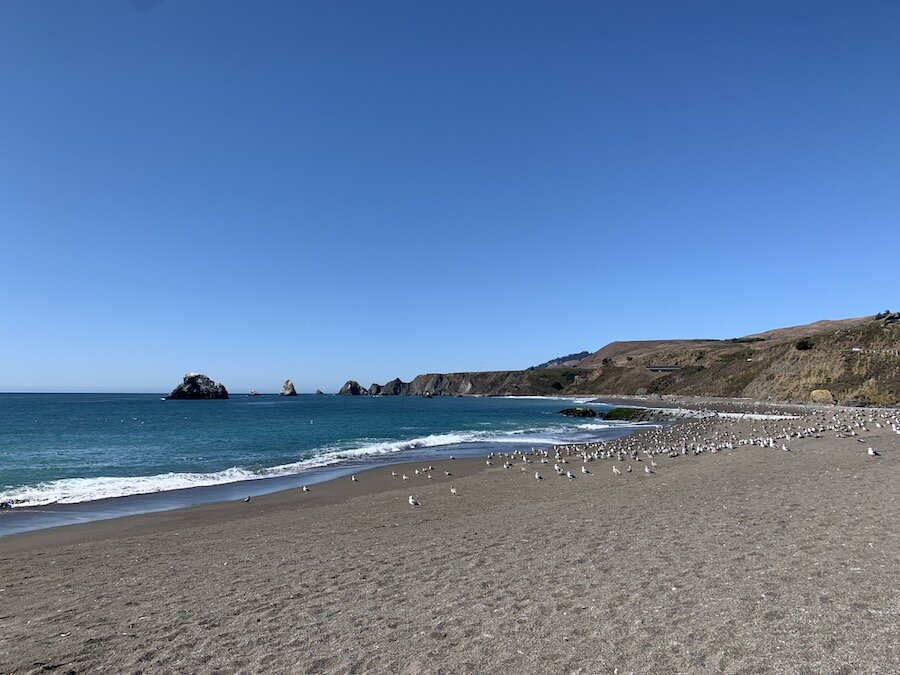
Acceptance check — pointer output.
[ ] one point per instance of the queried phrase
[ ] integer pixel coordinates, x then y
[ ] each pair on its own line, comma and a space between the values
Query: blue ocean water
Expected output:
80, 448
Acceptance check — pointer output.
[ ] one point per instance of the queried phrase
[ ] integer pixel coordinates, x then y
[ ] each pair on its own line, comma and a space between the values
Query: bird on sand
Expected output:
584, 470
616, 471
246, 499
412, 501
354, 478
453, 491
569, 474
647, 470
306, 488
874, 453
538, 476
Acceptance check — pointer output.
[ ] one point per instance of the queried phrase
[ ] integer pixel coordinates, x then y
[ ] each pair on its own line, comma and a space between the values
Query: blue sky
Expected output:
333, 190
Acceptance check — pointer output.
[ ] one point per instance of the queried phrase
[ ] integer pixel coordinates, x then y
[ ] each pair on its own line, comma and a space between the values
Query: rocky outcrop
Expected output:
578, 412
352, 388
319, 392
395, 387
287, 389
198, 386
375, 390
821, 396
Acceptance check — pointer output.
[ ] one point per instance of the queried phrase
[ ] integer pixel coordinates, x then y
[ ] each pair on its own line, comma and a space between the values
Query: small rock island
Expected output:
198, 386
287, 389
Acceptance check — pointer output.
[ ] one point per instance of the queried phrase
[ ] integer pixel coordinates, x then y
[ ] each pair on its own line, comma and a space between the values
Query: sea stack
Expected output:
352, 388
287, 389
198, 386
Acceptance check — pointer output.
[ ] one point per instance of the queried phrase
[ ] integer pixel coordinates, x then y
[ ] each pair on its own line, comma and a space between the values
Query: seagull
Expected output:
538, 476
785, 448
874, 453
354, 478
394, 474
306, 488
453, 491
488, 462
647, 470
569, 474
246, 499
616, 471
584, 469
412, 501
447, 473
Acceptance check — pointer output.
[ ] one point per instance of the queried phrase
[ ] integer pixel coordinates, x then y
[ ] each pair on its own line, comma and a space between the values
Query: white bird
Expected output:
394, 474
538, 476
785, 448
354, 478
447, 473
412, 501
453, 491
616, 471
306, 488
874, 453
647, 470
405, 477
584, 469
487, 462
569, 474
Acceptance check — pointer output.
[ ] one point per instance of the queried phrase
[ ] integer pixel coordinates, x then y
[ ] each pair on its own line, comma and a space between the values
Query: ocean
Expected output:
68, 458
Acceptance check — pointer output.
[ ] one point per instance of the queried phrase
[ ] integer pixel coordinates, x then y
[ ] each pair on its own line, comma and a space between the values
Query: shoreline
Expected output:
671, 409
732, 555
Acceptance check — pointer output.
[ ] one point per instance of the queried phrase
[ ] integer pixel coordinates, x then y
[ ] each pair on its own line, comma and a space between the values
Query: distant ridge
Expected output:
562, 361
850, 361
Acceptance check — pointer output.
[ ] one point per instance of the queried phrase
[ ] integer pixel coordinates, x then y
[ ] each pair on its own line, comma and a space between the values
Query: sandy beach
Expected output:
732, 555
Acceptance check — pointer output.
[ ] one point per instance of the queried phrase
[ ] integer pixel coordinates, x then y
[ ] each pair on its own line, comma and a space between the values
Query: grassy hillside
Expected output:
853, 361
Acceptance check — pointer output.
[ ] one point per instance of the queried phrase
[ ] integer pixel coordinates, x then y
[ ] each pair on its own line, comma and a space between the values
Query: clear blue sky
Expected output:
356, 189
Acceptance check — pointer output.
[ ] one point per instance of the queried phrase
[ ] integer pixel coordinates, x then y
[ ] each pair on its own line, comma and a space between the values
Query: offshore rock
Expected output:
287, 389
319, 392
352, 388
198, 386
375, 390
396, 387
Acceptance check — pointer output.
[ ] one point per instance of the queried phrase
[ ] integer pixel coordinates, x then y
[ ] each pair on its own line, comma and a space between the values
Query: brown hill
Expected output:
855, 361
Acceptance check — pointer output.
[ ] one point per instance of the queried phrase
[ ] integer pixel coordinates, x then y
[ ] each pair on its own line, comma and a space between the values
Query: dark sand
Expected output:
747, 560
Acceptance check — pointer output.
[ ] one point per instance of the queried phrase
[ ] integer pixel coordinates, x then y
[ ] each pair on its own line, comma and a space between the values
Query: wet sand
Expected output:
745, 560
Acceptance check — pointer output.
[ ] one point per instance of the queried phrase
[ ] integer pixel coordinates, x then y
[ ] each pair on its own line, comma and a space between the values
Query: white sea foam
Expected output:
75, 490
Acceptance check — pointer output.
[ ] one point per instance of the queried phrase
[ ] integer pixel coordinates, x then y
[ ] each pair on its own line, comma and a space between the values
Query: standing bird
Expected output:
647, 470
453, 491
538, 476
584, 470
412, 501
306, 488
616, 471
569, 474
354, 478
874, 453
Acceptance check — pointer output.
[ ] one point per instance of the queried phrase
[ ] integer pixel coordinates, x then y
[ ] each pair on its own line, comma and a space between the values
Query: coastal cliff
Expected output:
850, 361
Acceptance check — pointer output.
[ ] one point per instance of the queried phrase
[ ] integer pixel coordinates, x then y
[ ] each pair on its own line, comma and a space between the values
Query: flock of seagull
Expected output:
708, 433
704, 434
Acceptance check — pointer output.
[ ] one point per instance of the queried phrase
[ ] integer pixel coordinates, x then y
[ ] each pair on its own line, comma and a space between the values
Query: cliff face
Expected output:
856, 360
